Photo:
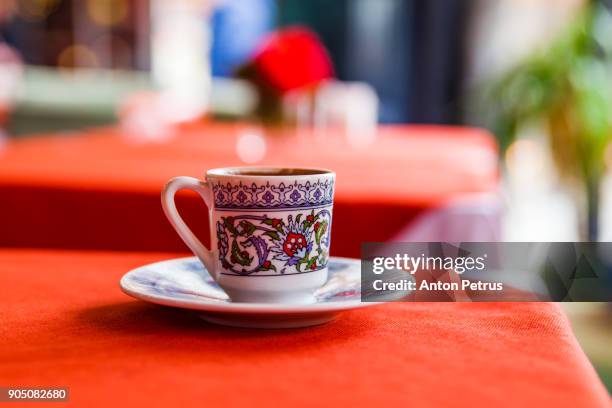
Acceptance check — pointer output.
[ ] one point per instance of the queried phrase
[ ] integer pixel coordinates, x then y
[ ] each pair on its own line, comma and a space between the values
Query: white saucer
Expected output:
185, 283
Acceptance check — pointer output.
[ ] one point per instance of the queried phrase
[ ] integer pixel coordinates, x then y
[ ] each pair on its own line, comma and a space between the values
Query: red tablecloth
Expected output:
98, 190
65, 322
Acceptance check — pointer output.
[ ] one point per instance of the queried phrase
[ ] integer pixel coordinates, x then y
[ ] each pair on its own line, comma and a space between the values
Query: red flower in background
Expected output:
292, 58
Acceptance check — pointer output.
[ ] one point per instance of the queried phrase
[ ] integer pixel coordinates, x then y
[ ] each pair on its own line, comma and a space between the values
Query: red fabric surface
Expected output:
101, 191
65, 322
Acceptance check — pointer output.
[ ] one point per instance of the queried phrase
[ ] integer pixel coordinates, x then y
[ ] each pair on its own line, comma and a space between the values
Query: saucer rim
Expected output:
237, 308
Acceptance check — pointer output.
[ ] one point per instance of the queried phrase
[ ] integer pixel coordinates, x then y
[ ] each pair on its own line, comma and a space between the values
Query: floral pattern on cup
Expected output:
251, 244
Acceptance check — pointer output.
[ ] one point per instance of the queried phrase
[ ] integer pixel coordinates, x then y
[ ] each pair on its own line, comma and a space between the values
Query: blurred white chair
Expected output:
351, 106
473, 218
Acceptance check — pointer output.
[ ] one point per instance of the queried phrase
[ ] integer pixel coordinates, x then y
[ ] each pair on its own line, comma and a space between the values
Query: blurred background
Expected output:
536, 74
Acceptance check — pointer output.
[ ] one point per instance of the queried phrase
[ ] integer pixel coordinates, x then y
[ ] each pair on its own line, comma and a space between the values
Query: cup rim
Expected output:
233, 172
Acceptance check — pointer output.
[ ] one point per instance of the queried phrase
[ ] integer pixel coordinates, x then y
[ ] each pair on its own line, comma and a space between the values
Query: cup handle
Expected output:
207, 256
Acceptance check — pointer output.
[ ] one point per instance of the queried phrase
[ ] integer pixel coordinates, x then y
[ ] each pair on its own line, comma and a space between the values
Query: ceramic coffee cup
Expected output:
270, 230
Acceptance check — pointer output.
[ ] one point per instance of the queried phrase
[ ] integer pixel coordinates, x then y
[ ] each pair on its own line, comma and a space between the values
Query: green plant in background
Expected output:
568, 87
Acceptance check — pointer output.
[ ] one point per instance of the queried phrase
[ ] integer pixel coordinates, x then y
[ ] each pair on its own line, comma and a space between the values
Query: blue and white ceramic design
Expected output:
270, 230
185, 283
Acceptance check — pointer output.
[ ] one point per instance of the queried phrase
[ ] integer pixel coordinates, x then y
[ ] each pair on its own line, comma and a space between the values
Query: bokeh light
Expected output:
107, 12
525, 158
77, 56
251, 146
35, 9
